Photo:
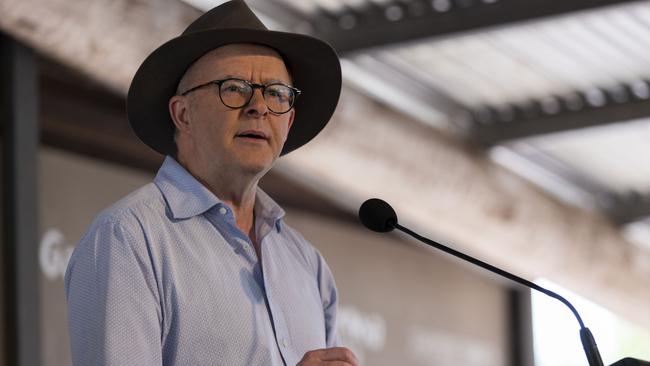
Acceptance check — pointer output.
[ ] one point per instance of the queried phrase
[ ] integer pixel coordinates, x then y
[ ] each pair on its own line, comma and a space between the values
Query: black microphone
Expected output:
378, 215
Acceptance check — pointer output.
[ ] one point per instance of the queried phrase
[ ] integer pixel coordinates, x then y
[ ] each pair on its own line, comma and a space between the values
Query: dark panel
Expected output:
401, 21
19, 113
521, 331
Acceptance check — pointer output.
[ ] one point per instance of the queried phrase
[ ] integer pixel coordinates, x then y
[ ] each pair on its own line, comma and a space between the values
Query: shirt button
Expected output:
223, 210
284, 342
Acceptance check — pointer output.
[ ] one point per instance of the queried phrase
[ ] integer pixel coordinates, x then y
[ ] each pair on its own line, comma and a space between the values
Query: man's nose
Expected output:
257, 107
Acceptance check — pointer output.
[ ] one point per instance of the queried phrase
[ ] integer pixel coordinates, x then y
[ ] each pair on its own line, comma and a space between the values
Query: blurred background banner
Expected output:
516, 131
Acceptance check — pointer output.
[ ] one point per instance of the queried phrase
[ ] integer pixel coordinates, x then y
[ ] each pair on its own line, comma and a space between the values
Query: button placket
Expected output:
279, 321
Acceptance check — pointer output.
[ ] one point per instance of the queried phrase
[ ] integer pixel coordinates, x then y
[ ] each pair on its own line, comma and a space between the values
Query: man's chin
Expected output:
256, 167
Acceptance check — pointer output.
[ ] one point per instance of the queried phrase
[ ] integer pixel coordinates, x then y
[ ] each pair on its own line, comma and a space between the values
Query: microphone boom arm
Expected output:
588, 342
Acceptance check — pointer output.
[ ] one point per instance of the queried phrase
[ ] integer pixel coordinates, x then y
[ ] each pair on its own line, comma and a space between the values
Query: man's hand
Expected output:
337, 356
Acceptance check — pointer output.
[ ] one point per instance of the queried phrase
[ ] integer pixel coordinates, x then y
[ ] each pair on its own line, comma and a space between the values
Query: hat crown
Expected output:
232, 14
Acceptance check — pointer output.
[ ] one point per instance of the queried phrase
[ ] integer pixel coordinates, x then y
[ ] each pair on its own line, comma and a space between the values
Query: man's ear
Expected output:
179, 111
291, 117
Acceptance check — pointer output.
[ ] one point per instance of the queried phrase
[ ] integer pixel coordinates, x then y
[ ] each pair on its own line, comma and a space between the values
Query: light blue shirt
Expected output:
165, 277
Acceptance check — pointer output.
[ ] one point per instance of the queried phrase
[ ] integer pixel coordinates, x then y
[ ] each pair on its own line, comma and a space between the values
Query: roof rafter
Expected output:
398, 21
493, 125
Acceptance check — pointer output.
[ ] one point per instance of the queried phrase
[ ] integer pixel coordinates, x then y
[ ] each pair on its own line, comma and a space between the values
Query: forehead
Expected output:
242, 57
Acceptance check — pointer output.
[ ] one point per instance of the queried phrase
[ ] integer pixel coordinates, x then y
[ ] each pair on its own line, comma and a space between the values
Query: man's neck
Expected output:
240, 196
236, 189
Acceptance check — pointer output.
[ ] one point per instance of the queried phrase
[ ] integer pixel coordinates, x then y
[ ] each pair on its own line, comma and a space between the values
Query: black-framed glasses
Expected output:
237, 93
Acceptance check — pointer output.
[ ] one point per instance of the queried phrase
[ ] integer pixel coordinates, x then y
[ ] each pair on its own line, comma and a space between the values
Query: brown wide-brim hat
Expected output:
312, 63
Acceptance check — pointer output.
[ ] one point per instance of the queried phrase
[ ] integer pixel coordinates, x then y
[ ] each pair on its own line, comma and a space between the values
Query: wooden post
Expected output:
19, 115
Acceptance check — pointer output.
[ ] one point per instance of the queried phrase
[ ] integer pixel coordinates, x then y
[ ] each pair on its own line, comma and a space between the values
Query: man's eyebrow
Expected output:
266, 81
275, 81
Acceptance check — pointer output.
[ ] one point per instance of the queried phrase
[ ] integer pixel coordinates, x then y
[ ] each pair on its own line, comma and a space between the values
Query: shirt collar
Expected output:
267, 210
187, 197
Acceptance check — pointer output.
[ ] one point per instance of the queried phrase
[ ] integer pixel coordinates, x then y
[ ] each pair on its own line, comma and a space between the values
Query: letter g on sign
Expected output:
53, 254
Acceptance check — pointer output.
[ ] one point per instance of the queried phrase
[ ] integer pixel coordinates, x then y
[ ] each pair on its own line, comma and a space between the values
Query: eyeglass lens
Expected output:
237, 93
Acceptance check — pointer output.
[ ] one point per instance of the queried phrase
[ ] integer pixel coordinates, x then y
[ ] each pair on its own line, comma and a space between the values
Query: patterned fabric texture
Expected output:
165, 277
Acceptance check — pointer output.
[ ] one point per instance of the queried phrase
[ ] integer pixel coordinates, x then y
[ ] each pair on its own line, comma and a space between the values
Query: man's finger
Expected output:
338, 354
332, 354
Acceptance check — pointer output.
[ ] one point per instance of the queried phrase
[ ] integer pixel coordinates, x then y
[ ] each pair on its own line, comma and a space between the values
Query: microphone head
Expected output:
377, 215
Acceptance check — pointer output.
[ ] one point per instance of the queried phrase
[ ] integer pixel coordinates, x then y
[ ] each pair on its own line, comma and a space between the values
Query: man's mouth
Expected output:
253, 134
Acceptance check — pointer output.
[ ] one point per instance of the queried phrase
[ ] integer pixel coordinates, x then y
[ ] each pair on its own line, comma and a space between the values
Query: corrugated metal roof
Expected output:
555, 57
616, 156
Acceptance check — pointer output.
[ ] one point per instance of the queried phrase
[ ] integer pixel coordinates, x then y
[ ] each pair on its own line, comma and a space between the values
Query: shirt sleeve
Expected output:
329, 296
114, 312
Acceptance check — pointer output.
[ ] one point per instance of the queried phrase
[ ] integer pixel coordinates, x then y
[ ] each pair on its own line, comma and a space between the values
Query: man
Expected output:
198, 268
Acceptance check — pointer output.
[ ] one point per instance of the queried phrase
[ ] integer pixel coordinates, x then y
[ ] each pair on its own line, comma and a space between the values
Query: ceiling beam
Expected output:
354, 29
630, 207
104, 40
493, 125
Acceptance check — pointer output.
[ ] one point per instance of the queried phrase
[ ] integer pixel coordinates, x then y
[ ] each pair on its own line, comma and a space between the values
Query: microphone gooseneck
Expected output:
378, 215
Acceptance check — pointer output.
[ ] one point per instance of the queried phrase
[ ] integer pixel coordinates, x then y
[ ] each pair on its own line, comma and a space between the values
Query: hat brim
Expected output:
313, 64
